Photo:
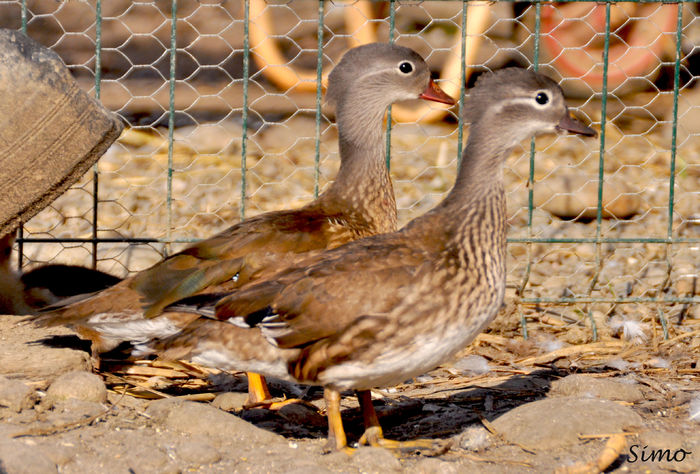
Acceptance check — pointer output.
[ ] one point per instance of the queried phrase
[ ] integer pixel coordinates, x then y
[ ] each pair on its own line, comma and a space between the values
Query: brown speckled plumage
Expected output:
359, 203
377, 311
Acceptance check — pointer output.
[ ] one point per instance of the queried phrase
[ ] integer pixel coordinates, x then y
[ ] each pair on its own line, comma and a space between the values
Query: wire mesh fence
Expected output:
226, 120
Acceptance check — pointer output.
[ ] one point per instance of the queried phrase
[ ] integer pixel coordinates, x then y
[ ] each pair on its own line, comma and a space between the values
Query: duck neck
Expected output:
476, 201
481, 169
363, 186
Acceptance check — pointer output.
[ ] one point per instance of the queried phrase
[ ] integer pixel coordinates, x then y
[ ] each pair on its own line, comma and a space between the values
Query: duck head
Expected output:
376, 75
523, 102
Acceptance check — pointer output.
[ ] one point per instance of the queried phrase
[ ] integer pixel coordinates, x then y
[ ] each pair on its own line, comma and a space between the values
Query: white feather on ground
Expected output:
631, 330
695, 409
472, 365
659, 363
550, 344
618, 363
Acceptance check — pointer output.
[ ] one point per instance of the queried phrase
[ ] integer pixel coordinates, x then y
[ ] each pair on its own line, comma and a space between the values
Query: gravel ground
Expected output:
506, 405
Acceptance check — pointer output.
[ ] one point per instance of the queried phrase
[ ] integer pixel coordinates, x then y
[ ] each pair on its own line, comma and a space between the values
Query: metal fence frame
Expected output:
669, 240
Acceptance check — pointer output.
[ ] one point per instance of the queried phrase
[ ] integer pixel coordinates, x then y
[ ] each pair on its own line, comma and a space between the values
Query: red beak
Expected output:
434, 93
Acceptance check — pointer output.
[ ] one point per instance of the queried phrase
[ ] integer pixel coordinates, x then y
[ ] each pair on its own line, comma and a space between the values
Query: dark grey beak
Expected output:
570, 124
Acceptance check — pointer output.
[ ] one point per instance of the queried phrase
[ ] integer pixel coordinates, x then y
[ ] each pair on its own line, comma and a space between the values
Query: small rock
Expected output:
15, 395
58, 454
230, 401
298, 413
693, 312
73, 411
22, 353
434, 466
662, 439
475, 438
575, 196
555, 422
206, 420
685, 273
16, 457
368, 459
579, 385
147, 459
79, 385
198, 452
658, 448
305, 467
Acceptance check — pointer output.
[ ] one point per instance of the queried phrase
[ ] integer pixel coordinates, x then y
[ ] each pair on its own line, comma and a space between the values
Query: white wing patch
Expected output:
137, 330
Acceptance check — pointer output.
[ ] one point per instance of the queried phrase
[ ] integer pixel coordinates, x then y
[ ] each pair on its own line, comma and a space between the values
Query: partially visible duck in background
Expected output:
12, 299
26, 293
359, 203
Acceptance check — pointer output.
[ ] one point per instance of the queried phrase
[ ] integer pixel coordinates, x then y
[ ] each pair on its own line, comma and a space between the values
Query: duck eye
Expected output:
541, 98
406, 67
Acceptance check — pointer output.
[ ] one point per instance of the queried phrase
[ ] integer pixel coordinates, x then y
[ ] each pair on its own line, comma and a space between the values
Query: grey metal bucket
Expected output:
51, 131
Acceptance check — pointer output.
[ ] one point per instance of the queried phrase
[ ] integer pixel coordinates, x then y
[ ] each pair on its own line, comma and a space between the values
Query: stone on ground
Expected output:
15, 395
77, 385
475, 438
16, 457
23, 351
198, 452
370, 459
579, 385
201, 419
298, 413
230, 401
556, 422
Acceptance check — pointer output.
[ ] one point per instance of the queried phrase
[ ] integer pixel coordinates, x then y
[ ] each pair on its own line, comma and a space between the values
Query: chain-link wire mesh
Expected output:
225, 117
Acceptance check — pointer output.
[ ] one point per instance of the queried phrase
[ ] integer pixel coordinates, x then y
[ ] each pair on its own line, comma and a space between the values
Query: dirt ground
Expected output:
505, 405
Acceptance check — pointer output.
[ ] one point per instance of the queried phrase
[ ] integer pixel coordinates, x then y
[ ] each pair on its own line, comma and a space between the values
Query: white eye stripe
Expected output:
520, 101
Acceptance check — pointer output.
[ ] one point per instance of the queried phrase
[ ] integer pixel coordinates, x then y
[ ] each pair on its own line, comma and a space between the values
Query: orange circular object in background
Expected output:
573, 39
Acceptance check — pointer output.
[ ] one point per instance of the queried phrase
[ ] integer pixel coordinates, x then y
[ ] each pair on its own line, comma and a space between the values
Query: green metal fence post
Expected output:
601, 168
171, 123
462, 82
531, 177
392, 26
95, 169
672, 165
319, 78
20, 231
244, 113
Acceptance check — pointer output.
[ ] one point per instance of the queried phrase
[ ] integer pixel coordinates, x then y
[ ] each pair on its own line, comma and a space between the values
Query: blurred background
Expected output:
182, 170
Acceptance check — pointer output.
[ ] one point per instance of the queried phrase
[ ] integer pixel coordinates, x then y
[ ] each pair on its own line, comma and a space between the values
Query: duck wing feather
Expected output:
306, 303
259, 245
